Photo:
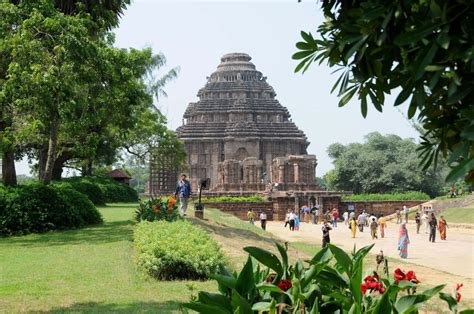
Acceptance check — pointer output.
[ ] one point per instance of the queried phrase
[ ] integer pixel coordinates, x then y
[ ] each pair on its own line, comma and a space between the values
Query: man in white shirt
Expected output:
263, 220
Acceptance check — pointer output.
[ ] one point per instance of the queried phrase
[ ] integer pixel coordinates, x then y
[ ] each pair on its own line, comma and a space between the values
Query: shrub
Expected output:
332, 282
234, 199
157, 208
177, 250
387, 197
101, 190
40, 208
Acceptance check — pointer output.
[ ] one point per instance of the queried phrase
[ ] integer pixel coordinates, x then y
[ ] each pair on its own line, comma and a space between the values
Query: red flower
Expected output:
372, 284
412, 277
399, 275
458, 295
284, 284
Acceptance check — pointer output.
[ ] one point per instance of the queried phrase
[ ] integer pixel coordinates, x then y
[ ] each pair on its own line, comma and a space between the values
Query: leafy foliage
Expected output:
383, 164
422, 48
39, 208
332, 282
234, 199
101, 190
387, 197
157, 208
177, 250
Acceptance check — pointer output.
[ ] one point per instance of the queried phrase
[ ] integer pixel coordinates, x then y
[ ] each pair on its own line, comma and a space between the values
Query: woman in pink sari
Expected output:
403, 241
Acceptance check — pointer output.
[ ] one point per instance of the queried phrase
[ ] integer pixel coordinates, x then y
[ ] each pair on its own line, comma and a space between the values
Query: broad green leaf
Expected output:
426, 59
449, 299
245, 282
342, 258
345, 99
403, 96
363, 106
205, 309
240, 303
266, 258
461, 170
315, 309
302, 54
268, 287
226, 281
215, 299
283, 253
383, 305
322, 256
434, 68
415, 35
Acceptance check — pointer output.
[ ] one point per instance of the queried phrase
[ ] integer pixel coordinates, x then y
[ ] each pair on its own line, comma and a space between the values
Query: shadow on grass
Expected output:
138, 307
106, 233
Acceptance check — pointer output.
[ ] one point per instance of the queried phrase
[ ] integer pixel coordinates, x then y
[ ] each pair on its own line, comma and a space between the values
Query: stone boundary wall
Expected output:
240, 209
379, 207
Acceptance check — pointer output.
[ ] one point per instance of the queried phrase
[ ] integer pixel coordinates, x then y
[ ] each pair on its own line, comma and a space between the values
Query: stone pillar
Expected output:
297, 172
281, 174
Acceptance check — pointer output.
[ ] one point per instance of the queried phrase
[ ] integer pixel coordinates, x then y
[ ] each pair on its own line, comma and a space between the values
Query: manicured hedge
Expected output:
40, 208
176, 250
387, 197
234, 199
101, 190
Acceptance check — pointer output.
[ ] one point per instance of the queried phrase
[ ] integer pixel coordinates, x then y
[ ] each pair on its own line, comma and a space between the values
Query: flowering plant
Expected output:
331, 282
157, 208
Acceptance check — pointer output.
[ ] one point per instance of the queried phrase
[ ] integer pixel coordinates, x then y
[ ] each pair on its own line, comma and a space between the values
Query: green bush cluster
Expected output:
40, 208
101, 190
387, 197
176, 250
234, 199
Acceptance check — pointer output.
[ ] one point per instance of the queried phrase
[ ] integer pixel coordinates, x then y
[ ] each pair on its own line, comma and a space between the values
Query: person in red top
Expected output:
335, 217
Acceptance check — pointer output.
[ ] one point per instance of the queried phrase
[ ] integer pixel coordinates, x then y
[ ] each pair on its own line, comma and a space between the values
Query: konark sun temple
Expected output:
240, 137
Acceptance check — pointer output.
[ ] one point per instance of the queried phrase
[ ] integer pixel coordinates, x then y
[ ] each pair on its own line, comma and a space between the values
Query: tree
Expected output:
383, 164
98, 15
423, 47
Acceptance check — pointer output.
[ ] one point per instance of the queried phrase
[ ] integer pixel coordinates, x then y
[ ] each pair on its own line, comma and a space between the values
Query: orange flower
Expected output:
171, 202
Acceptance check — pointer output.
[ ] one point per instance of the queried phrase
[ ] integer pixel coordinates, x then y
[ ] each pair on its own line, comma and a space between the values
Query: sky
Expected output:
193, 35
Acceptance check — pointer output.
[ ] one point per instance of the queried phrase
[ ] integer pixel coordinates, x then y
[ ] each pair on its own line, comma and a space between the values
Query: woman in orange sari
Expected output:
442, 224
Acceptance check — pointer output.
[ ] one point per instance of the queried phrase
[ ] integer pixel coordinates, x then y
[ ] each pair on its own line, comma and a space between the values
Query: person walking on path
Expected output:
353, 226
442, 224
316, 215
263, 220
406, 211
183, 191
345, 216
325, 230
418, 222
297, 223
382, 225
425, 221
251, 216
399, 216
287, 219
373, 228
403, 241
335, 217
361, 222
433, 225
292, 220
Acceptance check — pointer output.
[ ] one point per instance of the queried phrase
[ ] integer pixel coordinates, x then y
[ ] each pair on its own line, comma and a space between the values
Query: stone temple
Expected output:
241, 137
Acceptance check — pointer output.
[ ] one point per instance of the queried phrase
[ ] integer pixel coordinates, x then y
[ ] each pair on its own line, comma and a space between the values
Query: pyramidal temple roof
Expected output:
238, 102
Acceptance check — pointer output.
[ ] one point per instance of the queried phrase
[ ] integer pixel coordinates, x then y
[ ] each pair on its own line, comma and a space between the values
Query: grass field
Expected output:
87, 270
459, 215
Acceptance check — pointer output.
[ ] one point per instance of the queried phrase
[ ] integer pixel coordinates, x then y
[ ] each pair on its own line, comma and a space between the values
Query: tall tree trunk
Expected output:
8, 168
59, 165
52, 147
42, 156
8, 160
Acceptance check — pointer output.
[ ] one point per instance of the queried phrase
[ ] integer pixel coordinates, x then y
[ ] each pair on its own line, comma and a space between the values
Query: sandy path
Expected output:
455, 255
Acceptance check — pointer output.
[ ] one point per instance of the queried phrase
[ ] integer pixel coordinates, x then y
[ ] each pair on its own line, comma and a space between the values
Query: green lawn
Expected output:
86, 270
459, 215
